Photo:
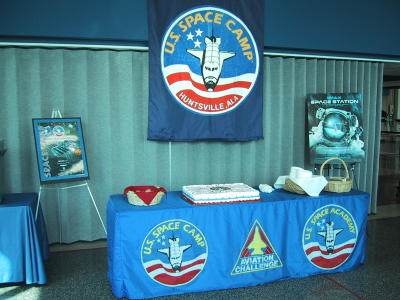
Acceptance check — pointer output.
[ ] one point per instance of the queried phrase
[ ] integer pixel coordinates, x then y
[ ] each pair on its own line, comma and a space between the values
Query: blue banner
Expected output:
205, 70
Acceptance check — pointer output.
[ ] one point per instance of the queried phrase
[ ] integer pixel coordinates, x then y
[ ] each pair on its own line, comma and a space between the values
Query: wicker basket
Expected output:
290, 186
337, 184
144, 195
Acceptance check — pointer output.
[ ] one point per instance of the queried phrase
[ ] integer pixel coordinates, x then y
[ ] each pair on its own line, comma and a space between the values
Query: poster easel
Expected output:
57, 114
43, 187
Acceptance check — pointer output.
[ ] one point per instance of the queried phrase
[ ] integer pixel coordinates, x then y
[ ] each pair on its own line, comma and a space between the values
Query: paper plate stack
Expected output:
302, 181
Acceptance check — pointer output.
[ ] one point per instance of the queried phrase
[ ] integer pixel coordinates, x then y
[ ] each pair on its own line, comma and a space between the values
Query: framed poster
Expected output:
335, 127
60, 149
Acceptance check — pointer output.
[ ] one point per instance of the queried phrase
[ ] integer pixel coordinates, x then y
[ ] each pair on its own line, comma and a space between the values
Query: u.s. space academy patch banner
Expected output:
335, 127
329, 237
205, 70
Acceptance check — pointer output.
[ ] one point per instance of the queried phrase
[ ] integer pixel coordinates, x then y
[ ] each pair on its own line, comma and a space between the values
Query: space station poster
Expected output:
205, 70
335, 127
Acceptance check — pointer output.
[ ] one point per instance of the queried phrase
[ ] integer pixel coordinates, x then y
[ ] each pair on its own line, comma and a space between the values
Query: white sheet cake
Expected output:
220, 193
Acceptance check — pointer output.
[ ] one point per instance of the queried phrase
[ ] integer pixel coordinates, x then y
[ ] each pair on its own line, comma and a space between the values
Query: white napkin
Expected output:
266, 188
312, 186
280, 182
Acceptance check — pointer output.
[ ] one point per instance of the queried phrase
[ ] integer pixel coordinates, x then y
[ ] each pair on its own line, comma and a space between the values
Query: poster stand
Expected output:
351, 168
42, 187
57, 114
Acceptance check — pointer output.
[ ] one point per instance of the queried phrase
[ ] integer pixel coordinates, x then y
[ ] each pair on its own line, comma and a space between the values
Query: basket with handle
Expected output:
290, 186
337, 184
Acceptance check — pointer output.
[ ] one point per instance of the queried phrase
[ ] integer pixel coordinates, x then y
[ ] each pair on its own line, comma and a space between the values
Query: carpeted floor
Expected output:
82, 274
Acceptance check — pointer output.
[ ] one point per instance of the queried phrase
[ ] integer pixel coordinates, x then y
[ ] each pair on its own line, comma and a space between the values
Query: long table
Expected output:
175, 247
23, 241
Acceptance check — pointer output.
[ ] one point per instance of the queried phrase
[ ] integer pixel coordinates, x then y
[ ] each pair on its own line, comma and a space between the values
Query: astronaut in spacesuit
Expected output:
336, 128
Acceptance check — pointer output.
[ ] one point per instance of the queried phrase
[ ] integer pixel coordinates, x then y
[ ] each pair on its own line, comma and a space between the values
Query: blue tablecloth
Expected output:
23, 242
176, 247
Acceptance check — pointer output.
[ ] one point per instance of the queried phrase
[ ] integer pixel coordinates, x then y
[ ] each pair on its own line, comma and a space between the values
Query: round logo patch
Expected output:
329, 237
174, 252
209, 60
58, 130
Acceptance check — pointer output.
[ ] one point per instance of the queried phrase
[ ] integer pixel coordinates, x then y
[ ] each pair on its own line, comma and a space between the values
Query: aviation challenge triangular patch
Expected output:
257, 253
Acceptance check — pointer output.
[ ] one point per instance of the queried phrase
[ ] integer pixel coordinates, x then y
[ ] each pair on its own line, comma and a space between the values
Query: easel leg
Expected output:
95, 206
59, 206
59, 215
38, 202
354, 175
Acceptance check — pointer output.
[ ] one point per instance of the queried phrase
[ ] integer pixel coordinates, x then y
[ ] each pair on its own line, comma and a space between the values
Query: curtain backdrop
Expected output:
109, 91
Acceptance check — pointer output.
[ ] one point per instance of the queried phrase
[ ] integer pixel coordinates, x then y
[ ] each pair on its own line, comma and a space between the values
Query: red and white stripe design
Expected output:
319, 255
181, 79
164, 274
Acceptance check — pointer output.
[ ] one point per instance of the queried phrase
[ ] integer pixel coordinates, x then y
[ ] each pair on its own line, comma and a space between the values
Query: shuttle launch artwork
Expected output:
175, 253
211, 60
330, 236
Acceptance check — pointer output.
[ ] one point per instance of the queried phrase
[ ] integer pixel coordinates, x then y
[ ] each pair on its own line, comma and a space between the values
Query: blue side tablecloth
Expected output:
175, 247
23, 241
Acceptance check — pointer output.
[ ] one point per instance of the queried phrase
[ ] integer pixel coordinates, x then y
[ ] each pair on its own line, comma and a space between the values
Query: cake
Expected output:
220, 193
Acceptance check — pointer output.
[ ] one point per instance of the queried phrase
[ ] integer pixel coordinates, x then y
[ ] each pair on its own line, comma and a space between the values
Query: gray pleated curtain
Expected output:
109, 91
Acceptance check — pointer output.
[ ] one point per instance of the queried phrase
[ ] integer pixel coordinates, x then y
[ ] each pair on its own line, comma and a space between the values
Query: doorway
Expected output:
389, 158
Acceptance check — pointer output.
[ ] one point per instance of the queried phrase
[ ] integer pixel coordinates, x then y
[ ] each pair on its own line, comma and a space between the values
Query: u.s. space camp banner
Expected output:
205, 70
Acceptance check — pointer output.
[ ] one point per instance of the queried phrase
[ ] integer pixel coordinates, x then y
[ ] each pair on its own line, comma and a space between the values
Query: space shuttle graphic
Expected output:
211, 60
330, 236
175, 253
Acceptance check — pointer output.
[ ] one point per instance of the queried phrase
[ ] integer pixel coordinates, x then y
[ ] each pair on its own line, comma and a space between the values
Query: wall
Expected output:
109, 90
